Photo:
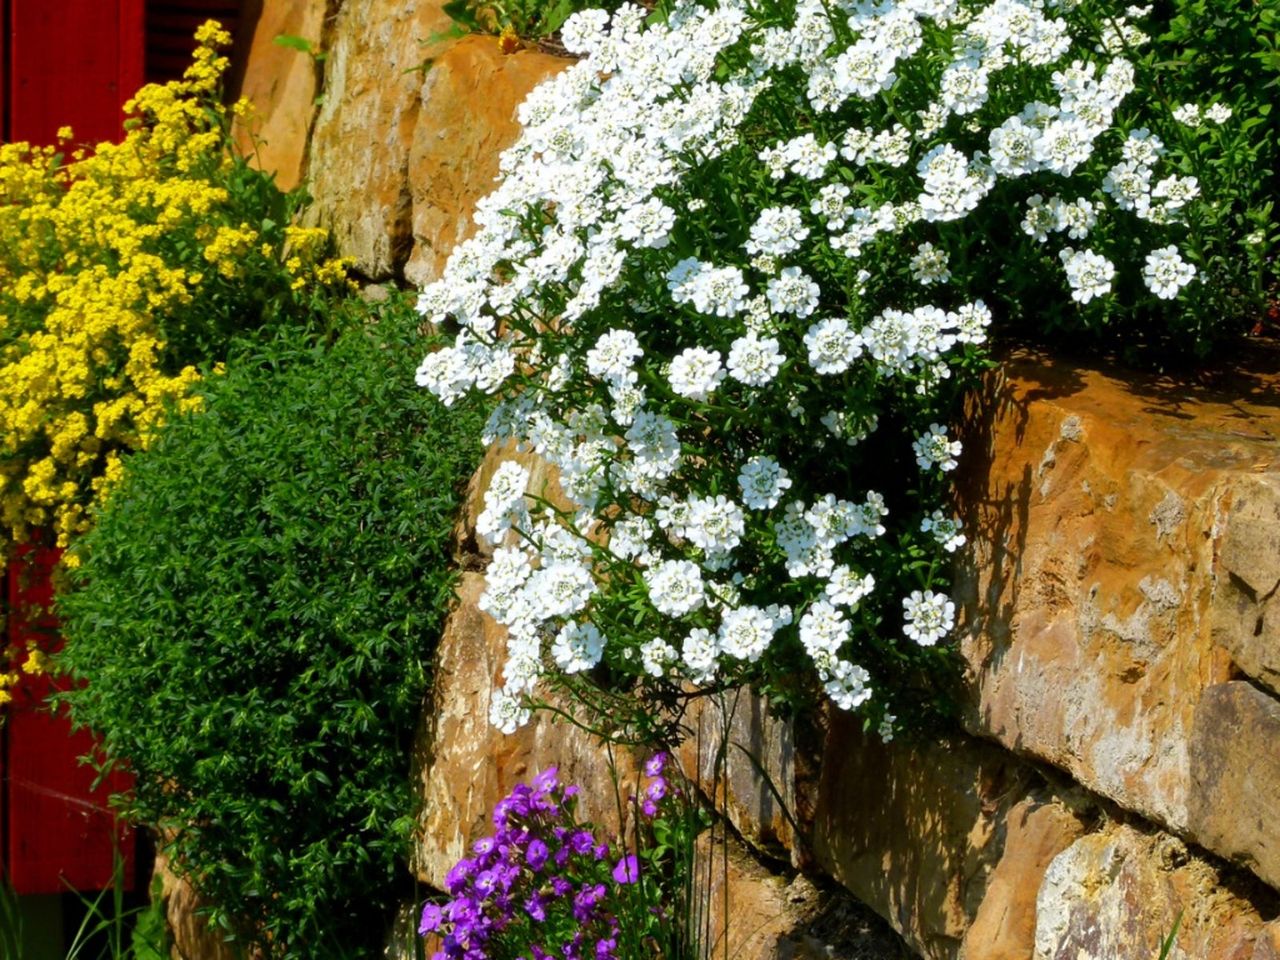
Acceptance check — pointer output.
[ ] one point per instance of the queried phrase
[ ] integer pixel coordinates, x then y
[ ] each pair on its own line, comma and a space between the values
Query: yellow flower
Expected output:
37, 662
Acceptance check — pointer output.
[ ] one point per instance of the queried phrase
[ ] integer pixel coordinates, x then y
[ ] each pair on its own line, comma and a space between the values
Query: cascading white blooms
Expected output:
598, 377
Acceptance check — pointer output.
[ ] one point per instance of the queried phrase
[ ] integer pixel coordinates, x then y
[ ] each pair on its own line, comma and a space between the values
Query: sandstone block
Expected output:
468, 117
1099, 601
1235, 769
358, 166
408, 136
282, 84
1120, 892
1246, 608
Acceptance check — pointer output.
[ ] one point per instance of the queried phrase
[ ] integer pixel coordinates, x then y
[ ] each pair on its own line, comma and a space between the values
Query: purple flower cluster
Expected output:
542, 885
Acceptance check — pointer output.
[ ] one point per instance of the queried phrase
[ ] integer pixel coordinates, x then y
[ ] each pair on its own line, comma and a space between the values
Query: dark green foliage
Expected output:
254, 619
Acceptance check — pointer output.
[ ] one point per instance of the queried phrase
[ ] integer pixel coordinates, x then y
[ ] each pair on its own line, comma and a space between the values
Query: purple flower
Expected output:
656, 790
649, 808
654, 766
536, 855
456, 879
546, 780
486, 882
605, 949
627, 869
585, 900
536, 906
432, 917
484, 846
582, 841
560, 886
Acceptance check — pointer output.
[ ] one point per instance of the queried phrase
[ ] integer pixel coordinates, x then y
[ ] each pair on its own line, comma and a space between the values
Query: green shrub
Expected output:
253, 620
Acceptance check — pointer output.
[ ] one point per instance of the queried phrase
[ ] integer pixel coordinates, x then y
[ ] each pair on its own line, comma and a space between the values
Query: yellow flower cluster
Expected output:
100, 254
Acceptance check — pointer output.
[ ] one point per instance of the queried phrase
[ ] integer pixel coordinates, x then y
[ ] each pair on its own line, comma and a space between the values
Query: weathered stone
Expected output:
1246, 609
1120, 892
914, 829
1104, 529
469, 97
358, 168
282, 84
735, 741
1235, 770
1035, 832
408, 135
193, 938
744, 911
1267, 946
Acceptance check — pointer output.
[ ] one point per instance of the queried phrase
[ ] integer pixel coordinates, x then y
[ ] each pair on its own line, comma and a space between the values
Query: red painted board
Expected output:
72, 62
60, 833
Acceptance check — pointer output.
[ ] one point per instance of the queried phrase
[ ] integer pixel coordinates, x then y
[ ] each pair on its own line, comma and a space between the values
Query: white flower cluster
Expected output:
630, 319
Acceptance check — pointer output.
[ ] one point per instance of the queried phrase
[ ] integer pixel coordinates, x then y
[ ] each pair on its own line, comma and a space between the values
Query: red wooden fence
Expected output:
59, 832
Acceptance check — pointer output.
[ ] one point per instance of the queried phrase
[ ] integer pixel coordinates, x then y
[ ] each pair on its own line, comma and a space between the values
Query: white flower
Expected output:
845, 587
972, 321
1088, 274
699, 652
928, 616
777, 231
1187, 114
886, 728
945, 530
654, 444
647, 225
577, 647
560, 589
755, 360
745, 633
614, 355
832, 345
715, 523
1217, 113
1013, 148
719, 291
656, 656
1166, 272
696, 373
934, 449
930, 265
762, 482
507, 712
847, 684
675, 587
793, 292
1176, 191
823, 629
1076, 217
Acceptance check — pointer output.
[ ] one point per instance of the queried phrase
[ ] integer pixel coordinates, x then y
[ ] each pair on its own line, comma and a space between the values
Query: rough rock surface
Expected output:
282, 84
1123, 563
770, 917
358, 169
1120, 892
409, 132
469, 100
193, 939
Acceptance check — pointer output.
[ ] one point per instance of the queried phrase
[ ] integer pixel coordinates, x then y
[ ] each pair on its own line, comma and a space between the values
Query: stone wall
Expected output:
1117, 771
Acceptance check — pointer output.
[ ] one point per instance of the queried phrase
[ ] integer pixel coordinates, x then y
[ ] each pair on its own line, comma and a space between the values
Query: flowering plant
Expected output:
122, 271
544, 885
741, 261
